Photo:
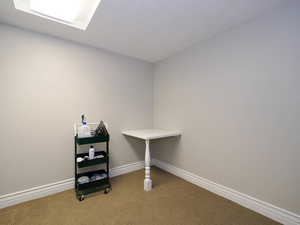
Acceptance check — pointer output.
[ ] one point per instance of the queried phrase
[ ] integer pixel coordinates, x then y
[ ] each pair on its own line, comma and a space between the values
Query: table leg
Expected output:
147, 181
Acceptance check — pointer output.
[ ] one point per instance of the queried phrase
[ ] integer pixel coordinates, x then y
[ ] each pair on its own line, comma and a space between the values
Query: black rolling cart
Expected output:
93, 186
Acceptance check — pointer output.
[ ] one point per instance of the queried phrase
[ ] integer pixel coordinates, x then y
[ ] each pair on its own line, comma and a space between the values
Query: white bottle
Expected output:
91, 152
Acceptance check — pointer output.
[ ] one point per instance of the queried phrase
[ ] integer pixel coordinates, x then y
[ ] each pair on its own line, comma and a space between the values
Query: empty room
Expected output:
150, 112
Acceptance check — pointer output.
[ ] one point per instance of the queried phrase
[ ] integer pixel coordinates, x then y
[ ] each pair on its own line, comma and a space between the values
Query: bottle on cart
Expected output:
91, 152
84, 130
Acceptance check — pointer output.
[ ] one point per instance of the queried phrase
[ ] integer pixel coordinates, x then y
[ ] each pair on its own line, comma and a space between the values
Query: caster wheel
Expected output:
107, 190
81, 198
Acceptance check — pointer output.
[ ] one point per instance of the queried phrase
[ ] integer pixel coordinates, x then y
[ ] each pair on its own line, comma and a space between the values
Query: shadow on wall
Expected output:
137, 145
161, 147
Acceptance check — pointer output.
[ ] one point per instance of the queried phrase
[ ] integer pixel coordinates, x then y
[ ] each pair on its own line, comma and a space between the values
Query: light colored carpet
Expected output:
172, 201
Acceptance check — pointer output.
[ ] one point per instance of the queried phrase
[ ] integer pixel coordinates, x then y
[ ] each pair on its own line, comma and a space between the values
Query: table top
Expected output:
149, 134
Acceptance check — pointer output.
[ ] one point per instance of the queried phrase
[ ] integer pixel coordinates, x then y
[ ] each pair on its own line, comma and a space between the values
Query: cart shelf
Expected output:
91, 140
90, 173
92, 162
92, 186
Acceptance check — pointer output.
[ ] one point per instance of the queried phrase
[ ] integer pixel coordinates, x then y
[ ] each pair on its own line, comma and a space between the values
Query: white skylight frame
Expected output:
78, 16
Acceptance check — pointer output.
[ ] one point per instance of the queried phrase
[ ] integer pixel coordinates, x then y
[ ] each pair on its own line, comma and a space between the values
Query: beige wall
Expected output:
45, 84
236, 98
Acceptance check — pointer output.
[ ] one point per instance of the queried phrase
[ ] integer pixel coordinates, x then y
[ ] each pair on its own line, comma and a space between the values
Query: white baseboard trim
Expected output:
36, 192
264, 208
49, 189
278, 214
126, 168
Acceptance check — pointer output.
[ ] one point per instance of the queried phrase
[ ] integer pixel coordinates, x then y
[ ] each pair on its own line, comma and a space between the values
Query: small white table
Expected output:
148, 135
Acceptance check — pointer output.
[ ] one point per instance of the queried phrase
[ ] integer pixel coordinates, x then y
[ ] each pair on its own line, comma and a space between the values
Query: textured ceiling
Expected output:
148, 29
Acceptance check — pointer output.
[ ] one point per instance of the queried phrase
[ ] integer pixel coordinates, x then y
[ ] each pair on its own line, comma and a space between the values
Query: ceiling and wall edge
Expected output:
153, 63
76, 43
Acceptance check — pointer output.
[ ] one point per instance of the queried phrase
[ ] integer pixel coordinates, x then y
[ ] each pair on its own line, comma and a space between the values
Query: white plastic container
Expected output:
84, 131
91, 152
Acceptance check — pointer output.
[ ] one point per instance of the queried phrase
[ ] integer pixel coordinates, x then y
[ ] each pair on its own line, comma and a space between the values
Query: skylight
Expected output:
76, 13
